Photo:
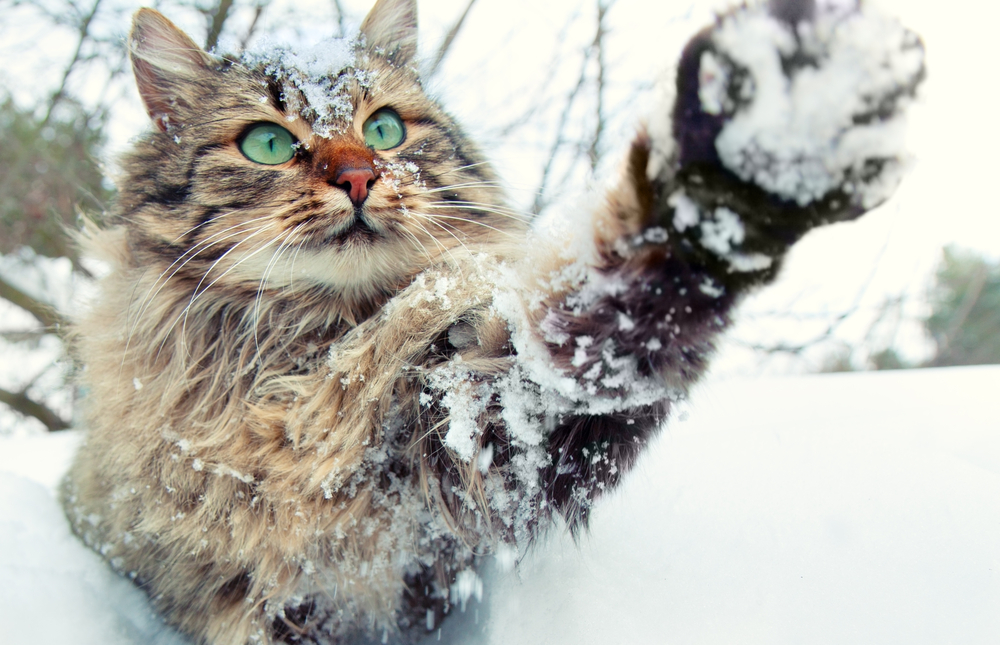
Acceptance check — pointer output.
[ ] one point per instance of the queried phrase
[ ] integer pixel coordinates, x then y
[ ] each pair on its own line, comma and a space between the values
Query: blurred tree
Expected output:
965, 310
888, 359
838, 360
963, 323
55, 173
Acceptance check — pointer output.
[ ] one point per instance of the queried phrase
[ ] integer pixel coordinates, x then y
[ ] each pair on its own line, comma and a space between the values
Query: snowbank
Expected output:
53, 589
823, 509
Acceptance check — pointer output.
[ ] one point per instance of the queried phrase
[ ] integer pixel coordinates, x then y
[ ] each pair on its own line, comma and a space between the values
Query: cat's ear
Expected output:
392, 26
166, 64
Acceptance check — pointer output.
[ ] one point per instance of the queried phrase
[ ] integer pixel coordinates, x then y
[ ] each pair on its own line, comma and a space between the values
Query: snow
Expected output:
685, 211
722, 232
315, 74
54, 589
712, 79
839, 508
709, 288
825, 509
798, 136
467, 585
466, 401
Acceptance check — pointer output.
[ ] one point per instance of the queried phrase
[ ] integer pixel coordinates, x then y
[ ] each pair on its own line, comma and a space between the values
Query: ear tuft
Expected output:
392, 26
165, 61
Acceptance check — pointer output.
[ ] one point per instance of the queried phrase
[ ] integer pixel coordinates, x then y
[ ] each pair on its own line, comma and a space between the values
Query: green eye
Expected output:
268, 144
384, 130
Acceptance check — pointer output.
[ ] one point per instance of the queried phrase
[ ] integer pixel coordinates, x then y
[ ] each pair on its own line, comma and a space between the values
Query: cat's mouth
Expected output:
358, 230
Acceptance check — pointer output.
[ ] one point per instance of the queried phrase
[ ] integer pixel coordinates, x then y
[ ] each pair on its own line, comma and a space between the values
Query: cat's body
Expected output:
318, 390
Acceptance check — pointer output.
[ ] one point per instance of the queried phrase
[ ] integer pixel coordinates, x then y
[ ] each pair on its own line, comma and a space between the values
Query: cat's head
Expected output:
322, 169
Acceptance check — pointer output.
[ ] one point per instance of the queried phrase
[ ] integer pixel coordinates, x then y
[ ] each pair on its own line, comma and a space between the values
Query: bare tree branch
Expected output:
449, 39
340, 18
540, 197
832, 326
540, 101
83, 30
969, 298
798, 348
83, 35
219, 17
23, 335
45, 313
595, 48
20, 402
257, 11
595, 144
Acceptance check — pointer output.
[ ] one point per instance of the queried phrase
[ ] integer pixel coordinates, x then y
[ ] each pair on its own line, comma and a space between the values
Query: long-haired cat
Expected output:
330, 369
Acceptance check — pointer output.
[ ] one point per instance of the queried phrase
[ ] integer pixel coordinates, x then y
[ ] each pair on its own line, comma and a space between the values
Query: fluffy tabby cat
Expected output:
330, 370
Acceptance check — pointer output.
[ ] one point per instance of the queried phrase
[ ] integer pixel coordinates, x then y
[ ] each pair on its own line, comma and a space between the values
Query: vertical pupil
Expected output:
268, 145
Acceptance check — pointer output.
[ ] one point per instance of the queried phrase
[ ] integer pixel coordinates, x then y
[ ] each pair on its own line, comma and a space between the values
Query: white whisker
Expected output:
436, 240
263, 281
486, 208
194, 252
468, 184
198, 291
473, 221
449, 232
458, 169
416, 241
295, 256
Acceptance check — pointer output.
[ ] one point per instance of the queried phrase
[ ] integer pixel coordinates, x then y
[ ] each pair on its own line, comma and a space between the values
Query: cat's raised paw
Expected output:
803, 99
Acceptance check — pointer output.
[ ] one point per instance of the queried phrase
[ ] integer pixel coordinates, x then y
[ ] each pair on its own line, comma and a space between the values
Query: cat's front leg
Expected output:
784, 117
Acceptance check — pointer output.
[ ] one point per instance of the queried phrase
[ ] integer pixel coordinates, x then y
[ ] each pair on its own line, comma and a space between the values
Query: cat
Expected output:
330, 370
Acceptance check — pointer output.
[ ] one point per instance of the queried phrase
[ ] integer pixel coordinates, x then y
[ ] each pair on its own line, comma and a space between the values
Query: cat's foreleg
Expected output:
784, 117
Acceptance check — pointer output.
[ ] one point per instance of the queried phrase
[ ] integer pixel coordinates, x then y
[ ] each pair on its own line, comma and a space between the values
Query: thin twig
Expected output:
219, 17
972, 292
83, 35
595, 144
23, 335
57, 96
340, 18
559, 141
44, 312
595, 48
20, 402
541, 100
449, 39
257, 11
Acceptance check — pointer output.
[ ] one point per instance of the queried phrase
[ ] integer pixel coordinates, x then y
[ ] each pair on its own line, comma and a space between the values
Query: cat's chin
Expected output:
358, 265
359, 232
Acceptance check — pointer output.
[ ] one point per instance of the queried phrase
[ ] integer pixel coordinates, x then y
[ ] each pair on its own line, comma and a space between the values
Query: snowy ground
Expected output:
855, 508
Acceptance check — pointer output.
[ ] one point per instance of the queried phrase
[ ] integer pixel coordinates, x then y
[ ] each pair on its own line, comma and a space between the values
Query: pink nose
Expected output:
356, 181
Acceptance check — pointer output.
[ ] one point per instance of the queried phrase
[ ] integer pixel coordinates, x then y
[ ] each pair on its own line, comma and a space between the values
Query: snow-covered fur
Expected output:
311, 415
